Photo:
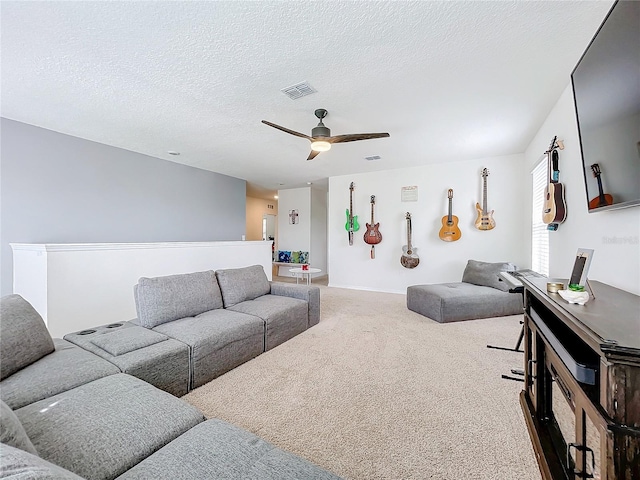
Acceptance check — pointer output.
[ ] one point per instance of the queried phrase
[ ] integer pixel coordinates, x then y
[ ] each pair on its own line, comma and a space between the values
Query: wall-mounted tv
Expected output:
606, 91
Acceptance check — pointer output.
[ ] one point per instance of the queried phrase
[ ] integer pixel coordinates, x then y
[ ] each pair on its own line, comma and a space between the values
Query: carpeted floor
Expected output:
376, 391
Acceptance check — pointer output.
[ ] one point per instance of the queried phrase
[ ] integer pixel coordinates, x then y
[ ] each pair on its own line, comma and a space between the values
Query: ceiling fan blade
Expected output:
355, 136
312, 155
297, 134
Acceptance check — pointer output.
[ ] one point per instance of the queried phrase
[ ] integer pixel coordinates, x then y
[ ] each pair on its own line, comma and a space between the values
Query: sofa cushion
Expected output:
67, 367
308, 293
103, 428
216, 449
218, 340
18, 464
122, 341
164, 299
25, 338
487, 274
242, 284
12, 432
143, 353
284, 317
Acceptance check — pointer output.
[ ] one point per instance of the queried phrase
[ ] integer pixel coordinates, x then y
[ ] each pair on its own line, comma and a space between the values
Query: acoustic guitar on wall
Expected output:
554, 209
372, 236
352, 220
409, 257
603, 199
485, 220
450, 232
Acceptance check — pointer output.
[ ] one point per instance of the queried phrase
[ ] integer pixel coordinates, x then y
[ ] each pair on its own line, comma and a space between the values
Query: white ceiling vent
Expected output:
372, 158
298, 90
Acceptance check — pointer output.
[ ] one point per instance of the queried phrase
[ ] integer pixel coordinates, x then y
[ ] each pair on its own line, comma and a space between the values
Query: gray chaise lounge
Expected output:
481, 294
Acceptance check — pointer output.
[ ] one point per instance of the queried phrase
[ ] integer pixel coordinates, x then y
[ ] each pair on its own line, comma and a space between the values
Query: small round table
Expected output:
301, 272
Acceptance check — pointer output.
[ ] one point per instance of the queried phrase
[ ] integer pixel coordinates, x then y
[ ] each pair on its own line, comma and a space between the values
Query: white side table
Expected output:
300, 273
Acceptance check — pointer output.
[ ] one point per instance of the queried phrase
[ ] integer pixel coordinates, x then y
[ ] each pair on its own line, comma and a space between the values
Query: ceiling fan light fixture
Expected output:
320, 146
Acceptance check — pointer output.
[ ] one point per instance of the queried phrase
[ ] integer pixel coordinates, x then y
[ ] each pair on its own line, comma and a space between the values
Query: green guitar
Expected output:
352, 224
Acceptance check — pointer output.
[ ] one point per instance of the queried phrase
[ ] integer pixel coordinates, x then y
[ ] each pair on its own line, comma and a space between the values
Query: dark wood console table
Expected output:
581, 398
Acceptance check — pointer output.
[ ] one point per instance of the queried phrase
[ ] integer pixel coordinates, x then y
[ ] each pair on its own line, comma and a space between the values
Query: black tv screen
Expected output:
606, 91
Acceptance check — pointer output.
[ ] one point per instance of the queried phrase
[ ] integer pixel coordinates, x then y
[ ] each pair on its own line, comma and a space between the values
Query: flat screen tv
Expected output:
606, 92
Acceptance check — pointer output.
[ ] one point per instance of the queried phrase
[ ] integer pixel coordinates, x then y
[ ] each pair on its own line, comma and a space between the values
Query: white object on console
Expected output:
574, 297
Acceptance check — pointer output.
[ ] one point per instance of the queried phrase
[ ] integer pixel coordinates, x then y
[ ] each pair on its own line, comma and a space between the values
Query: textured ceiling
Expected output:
448, 80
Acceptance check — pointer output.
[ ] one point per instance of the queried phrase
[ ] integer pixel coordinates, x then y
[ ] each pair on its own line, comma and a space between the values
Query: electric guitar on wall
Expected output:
372, 236
554, 210
409, 257
602, 199
352, 221
485, 219
450, 231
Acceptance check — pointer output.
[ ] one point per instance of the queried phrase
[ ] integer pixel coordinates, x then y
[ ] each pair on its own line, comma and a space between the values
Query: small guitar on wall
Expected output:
409, 257
603, 199
554, 210
352, 224
450, 231
485, 219
372, 236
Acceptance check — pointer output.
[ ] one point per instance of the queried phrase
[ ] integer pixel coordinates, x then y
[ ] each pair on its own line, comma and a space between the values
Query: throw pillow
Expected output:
25, 338
12, 432
487, 274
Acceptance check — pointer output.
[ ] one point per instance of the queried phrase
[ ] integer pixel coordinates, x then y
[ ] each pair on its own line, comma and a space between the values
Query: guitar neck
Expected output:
603, 201
351, 207
484, 196
409, 236
450, 216
371, 213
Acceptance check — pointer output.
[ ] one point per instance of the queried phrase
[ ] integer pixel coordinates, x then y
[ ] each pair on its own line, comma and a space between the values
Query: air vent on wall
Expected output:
373, 157
298, 90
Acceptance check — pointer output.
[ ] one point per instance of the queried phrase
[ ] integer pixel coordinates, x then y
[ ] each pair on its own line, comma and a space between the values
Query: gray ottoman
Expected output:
138, 351
453, 302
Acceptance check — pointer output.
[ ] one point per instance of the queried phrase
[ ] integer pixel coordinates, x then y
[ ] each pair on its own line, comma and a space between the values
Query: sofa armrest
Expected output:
308, 293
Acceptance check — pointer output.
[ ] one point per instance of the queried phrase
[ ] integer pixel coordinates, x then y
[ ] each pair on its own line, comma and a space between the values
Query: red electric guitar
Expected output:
372, 236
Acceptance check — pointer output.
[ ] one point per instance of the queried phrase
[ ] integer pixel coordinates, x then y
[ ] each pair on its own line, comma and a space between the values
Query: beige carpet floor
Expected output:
376, 391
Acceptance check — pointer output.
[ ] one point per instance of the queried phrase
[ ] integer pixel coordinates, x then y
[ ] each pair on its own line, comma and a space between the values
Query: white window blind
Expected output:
539, 232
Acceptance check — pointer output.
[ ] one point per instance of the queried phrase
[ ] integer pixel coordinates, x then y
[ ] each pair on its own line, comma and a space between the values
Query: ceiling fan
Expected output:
321, 138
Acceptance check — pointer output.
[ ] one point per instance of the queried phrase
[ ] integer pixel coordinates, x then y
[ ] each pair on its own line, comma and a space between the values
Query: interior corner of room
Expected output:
147, 140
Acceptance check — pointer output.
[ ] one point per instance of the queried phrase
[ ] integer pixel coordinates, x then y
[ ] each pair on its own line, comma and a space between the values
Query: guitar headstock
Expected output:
408, 216
351, 187
485, 172
450, 193
373, 199
595, 168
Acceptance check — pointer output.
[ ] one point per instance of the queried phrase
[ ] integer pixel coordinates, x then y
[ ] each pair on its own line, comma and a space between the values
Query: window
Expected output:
539, 232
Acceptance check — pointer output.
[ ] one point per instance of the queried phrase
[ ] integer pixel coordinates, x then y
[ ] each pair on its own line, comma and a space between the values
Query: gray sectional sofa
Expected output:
68, 411
481, 294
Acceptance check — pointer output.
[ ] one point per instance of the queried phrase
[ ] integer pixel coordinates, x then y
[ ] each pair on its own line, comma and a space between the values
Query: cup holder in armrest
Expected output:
86, 332
114, 325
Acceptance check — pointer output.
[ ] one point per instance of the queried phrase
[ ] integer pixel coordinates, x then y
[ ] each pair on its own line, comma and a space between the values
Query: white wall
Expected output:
77, 286
319, 229
351, 266
294, 236
310, 233
614, 235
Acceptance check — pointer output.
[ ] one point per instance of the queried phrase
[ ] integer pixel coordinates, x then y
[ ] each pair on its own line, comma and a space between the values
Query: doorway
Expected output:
269, 223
